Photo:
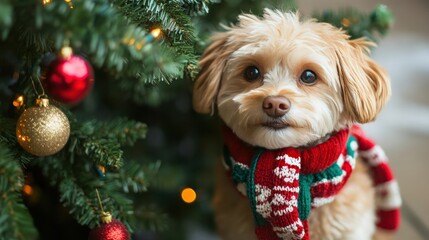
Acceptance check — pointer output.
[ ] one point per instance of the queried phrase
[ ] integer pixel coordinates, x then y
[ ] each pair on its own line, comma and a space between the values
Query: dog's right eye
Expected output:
252, 73
308, 77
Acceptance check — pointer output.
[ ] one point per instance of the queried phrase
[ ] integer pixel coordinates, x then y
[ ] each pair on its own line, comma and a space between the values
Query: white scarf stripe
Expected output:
320, 201
335, 181
374, 156
387, 196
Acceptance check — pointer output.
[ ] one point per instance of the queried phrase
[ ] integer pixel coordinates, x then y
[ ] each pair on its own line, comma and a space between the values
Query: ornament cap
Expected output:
42, 102
106, 217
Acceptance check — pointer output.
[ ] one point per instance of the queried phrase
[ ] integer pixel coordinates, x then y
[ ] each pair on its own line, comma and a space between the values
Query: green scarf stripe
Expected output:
330, 173
239, 173
304, 196
259, 220
350, 151
335, 170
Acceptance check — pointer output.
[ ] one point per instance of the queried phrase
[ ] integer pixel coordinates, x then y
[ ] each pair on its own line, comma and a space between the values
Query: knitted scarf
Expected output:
283, 185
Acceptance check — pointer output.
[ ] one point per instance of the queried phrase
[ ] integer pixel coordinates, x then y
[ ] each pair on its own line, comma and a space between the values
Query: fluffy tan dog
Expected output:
280, 82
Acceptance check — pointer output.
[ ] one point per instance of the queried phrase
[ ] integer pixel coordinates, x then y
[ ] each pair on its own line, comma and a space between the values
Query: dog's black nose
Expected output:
276, 106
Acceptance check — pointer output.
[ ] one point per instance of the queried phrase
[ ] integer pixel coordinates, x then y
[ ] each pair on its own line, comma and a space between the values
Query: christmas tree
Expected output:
96, 117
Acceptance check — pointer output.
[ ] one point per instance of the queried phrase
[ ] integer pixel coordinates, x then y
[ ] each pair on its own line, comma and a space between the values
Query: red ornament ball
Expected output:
68, 78
114, 230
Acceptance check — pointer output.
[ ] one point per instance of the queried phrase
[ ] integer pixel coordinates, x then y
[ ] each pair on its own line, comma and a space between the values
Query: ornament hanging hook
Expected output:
99, 200
43, 95
106, 217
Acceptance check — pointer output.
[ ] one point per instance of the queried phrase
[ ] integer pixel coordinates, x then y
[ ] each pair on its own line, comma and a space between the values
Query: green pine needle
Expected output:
15, 220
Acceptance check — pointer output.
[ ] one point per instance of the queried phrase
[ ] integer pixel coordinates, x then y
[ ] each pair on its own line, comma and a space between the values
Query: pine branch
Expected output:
174, 18
8, 138
152, 218
79, 197
80, 205
168, 14
134, 177
160, 64
7, 135
15, 221
93, 143
195, 7
77, 191
104, 152
177, 23
125, 131
120, 206
81, 200
101, 141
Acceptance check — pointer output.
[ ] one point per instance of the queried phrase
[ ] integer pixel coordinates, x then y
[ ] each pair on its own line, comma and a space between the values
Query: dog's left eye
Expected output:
308, 77
252, 73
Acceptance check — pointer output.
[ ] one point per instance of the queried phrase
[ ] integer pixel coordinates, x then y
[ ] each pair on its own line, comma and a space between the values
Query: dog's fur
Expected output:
350, 88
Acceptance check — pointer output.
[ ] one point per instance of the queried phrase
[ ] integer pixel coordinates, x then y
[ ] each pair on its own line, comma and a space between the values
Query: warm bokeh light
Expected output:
156, 32
27, 189
70, 3
139, 44
189, 195
101, 170
346, 22
18, 102
66, 52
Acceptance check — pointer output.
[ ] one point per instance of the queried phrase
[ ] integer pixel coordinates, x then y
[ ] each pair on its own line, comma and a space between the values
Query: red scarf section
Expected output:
284, 184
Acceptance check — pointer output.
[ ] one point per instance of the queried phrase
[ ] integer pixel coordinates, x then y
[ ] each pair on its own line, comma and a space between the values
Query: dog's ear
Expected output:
213, 62
365, 85
207, 83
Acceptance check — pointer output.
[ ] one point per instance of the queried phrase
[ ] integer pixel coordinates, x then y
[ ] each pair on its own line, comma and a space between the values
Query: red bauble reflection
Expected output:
68, 80
114, 230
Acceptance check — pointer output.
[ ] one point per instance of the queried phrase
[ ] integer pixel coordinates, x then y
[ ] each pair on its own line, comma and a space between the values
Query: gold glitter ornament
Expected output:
43, 129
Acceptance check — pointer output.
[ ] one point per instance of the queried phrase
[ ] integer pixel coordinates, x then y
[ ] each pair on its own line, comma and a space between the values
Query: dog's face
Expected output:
278, 82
